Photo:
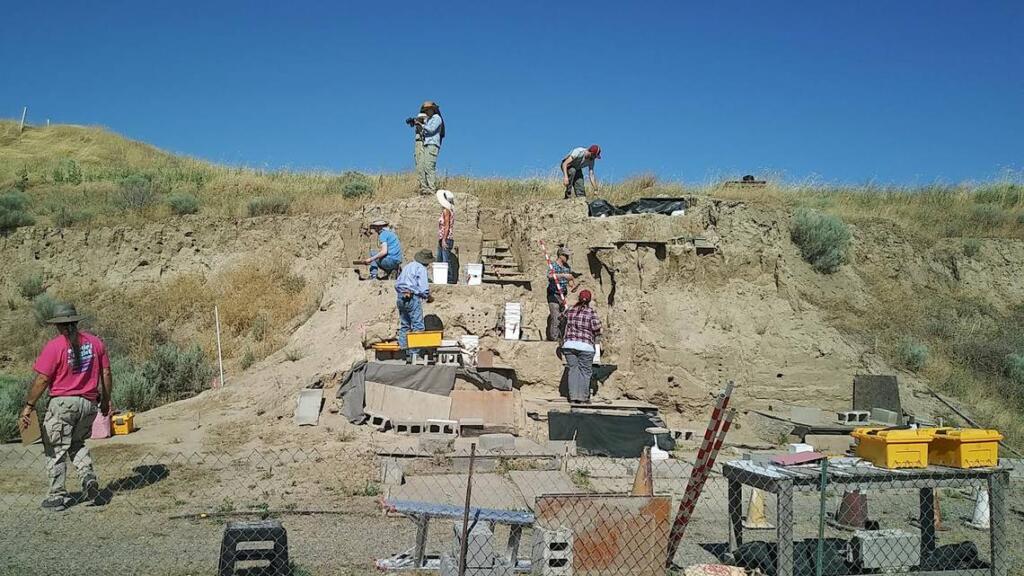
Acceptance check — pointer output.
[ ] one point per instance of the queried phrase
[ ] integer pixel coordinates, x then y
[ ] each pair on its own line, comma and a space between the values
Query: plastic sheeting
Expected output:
599, 208
602, 434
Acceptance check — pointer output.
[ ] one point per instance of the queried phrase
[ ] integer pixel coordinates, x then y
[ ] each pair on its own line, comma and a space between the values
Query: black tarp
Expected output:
598, 208
603, 434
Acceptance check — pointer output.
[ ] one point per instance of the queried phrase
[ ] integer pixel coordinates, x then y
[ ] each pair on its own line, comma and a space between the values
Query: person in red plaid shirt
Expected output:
582, 327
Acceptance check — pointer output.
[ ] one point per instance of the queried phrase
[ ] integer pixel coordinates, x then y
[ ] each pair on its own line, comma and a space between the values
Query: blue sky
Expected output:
909, 92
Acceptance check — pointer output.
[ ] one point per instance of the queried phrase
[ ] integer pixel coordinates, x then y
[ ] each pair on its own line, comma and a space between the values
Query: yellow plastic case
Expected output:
123, 423
429, 339
887, 448
964, 447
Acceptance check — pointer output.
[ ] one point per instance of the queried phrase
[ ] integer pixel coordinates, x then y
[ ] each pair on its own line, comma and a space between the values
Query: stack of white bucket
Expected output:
513, 320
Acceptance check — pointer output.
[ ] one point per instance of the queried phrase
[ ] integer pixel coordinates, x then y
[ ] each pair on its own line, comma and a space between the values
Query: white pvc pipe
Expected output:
220, 358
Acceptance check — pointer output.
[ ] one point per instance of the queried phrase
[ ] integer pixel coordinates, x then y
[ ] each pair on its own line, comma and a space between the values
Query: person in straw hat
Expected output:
75, 369
446, 234
389, 257
430, 127
411, 289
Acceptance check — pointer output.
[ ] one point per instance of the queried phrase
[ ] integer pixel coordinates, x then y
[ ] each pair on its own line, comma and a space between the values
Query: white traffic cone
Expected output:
981, 512
756, 517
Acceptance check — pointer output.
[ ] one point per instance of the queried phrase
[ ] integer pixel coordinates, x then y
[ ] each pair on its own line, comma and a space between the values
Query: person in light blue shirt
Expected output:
389, 257
430, 126
411, 289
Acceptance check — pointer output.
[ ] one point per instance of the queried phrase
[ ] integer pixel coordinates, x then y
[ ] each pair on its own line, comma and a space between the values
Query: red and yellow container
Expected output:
893, 448
964, 447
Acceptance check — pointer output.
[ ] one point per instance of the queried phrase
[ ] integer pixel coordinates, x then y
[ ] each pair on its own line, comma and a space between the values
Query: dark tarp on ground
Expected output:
599, 207
431, 379
605, 434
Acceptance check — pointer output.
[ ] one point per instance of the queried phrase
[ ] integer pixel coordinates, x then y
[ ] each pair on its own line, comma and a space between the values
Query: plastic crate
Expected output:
123, 423
964, 447
893, 448
429, 339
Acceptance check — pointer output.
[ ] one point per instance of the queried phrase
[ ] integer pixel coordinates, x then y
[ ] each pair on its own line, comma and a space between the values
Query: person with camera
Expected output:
429, 126
572, 170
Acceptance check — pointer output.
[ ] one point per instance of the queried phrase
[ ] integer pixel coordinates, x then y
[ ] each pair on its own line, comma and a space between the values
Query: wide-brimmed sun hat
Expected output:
64, 314
429, 104
446, 198
424, 257
379, 224
563, 251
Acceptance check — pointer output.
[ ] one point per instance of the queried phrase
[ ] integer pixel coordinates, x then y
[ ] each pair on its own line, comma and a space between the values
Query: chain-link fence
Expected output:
310, 511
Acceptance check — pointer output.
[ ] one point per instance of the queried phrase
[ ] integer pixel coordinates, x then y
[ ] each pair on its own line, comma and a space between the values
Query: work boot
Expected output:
55, 503
90, 488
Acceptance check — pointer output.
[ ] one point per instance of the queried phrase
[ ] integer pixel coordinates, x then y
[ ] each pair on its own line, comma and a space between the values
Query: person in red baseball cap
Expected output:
572, 170
582, 329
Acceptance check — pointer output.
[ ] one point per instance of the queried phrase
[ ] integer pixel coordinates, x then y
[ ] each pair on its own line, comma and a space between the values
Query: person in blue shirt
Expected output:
562, 274
389, 257
429, 126
411, 289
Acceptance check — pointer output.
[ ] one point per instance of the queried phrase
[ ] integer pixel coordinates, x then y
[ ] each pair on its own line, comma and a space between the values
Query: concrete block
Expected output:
551, 552
886, 416
391, 472
497, 442
401, 404
479, 546
799, 448
853, 417
449, 427
378, 421
436, 443
830, 444
409, 427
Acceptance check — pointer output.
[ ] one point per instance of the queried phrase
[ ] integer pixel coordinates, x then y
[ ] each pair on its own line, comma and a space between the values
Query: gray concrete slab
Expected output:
534, 483
307, 407
489, 491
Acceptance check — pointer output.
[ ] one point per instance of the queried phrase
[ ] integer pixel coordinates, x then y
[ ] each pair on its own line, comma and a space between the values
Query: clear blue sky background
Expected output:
908, 92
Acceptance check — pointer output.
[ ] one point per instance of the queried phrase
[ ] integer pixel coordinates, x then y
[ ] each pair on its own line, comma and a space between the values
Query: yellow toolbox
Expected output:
964, 447
123, 423
428, 339
893, 448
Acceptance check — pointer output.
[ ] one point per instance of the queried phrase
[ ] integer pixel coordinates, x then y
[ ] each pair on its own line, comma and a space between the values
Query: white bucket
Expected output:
475, 273
440, 271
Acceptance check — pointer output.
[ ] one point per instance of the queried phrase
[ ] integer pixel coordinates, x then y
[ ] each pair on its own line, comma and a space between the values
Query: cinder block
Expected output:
437, 443
830, 444
551, 553
450, 427
409, 427
885, 416
378, 421
479, 546
853, 417
497, 442
391, 473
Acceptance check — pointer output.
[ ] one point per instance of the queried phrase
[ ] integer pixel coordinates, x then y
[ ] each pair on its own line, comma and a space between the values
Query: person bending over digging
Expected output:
572, 170
75, 368
582, 328
412, 289
389, 257
562, 274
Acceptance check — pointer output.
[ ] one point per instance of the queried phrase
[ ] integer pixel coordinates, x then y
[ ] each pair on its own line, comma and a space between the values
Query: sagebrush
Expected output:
823, 239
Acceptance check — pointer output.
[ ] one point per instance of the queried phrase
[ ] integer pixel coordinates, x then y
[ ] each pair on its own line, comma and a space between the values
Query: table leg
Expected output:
515, 535
736, 512
784, 523
420, 554
926, 519
997, 484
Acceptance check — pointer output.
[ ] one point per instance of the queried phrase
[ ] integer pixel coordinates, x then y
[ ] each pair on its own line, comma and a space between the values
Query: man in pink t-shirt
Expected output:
75, 368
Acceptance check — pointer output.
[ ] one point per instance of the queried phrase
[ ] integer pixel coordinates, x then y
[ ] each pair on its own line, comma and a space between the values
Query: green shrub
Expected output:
248, 359
31, 284
21, 179
131, 390
177, 373
182, 204
12, 398
1014, 369
355, 185
1006, 195
989, 215
13, 212
136, 192
823, 239
1020, 218
264, 206
971, 247
68, 171
912, 355
43, 306
65, 216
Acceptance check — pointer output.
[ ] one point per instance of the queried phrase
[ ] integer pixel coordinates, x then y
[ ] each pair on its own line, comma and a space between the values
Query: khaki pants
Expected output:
426, 168
68, 423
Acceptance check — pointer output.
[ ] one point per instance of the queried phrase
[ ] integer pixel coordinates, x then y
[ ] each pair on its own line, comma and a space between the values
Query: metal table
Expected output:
784, 481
